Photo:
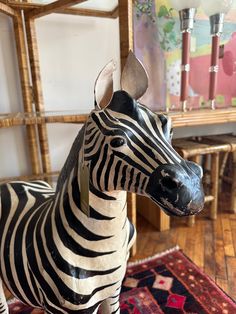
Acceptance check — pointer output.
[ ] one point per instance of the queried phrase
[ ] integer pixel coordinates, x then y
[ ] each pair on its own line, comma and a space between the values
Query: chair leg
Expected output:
233, 188
222, 169
131, 204
191, 219
214, 184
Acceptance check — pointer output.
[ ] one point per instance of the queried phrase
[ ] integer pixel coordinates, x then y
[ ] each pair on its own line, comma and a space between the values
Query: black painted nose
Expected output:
169, 184
177, 188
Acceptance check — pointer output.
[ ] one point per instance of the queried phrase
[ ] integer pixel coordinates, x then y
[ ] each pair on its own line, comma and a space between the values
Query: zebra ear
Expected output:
103, 90
134, 78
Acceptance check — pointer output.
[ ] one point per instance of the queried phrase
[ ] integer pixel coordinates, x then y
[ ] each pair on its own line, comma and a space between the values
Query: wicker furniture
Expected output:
204, 147
231, 177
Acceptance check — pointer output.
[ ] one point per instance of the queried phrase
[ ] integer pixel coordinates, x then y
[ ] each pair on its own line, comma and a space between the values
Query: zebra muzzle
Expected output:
177, 189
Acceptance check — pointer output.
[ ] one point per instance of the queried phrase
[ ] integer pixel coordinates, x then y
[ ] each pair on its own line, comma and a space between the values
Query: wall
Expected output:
72, 52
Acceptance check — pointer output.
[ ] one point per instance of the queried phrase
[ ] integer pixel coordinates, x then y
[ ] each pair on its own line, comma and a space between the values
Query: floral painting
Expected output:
157, 40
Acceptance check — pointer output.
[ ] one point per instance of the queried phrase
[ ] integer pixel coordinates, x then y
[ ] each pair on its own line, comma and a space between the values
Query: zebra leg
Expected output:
111, 305
3, 302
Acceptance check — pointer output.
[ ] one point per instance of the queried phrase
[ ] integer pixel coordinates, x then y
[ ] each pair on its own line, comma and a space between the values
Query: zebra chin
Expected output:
177, 189
170, 210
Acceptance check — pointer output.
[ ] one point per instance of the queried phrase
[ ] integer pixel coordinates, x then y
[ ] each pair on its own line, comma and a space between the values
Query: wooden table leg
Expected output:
214, 184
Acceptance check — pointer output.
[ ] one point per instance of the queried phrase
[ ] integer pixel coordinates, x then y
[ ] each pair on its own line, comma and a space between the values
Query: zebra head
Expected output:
128, 147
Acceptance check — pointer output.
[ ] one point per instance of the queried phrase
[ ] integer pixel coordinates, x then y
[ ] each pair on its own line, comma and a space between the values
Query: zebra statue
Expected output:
66, 250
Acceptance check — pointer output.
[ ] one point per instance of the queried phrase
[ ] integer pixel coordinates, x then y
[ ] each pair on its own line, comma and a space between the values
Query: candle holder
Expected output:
187, 11
216, 10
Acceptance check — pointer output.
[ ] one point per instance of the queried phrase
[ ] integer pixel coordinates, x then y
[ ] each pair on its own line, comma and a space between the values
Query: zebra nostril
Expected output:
169, 183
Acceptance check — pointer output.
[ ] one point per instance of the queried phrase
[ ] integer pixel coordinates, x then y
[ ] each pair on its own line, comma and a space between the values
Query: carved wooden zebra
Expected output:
55, 256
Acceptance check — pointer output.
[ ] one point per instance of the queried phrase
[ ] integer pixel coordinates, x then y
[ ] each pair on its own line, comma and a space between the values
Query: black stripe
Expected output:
132, 162
20, 191
66, 267
96, 215
117, 169
123, 130
170, 151
123, 177
143, 183
65, 291
77, 225
90, 149
107, 173
137, 182
159, 147
110, 117
101, 166
35, 225
131, 178
100, 194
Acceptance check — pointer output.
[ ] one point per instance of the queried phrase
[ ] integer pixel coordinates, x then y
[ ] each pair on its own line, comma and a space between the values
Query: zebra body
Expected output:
76, 276
57, 256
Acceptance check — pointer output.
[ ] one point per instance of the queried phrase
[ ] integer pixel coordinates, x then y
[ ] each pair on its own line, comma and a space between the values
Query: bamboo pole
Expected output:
26, 91
126, 29
19, 118
71, 11
37, 91
7, 10
39, 176
190, 118
126, 44
214, 182
52, 7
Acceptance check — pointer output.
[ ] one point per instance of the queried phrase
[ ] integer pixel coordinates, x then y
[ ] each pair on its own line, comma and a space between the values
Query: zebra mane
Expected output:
71, 159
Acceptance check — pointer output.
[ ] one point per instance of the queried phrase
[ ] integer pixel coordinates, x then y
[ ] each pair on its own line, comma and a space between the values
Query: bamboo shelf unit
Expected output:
34, 118
179, 119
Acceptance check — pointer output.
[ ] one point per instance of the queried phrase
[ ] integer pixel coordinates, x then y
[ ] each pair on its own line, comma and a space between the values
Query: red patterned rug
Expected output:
167, 283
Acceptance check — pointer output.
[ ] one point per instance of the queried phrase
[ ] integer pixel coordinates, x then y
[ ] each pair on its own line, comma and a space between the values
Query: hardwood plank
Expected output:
181, 237
223, 284
199, 244
233, 230
219, 249
209, 261
190, 242
231, 268
227, 237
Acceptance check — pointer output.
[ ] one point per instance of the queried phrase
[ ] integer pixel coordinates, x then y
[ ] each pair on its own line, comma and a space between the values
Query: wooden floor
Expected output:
210, 244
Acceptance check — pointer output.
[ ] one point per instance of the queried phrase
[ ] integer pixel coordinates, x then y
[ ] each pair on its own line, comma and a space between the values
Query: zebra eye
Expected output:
117, 142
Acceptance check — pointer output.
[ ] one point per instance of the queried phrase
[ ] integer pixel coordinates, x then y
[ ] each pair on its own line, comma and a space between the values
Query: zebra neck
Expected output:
112, 205
107, 209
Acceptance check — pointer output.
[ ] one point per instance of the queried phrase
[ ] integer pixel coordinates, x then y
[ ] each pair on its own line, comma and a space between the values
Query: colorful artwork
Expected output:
148, 50
158, 45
